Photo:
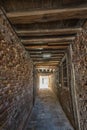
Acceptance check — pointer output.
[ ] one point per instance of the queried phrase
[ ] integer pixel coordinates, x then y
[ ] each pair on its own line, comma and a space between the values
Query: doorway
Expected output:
44, 82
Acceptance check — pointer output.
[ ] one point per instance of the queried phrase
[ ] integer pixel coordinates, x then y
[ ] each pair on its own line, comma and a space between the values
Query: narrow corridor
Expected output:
47, 113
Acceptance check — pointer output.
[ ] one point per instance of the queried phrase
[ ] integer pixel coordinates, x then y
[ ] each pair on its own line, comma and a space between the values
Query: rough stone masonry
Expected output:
74, 97
16, 79
79, 60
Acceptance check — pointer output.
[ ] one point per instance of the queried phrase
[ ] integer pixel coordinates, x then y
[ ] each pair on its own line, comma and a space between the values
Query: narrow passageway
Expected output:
47, 113
43, 44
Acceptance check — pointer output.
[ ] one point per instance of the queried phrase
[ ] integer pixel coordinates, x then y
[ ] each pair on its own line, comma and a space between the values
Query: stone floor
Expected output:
47, 114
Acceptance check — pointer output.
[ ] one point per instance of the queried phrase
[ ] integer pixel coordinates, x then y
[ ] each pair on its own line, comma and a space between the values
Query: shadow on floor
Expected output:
47, 113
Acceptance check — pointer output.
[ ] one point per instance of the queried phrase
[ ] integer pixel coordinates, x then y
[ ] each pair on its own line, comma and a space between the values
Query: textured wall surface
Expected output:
16, 79
73, 97
64, 92
79, 49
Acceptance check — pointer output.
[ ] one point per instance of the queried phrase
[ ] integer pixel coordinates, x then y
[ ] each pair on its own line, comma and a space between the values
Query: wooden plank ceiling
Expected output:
46, 27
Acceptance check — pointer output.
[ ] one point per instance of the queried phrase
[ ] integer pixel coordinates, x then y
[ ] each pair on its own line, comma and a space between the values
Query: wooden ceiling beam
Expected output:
58, 43
37, 51
45, 67
46, 47
47, 40
41, 56
45, 59
36, 55
49, 43
50, 63
47, 15
47, 62
48, 32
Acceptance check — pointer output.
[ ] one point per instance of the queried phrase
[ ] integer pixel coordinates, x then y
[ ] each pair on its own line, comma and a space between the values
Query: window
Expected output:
60, 75
65, 73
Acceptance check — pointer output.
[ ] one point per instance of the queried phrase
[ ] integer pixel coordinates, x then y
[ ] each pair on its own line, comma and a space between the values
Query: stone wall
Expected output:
79, 60
73, 96
36, 83
16, 79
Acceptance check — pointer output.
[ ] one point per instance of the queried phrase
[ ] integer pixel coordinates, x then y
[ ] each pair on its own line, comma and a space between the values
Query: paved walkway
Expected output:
48, 114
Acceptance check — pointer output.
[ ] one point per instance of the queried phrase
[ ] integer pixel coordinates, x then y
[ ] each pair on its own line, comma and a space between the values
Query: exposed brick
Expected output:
16, 79
80, 65
74, 97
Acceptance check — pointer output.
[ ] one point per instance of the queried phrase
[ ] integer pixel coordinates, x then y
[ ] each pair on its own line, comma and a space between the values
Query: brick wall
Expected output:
79, 59
16, 79
73, 97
